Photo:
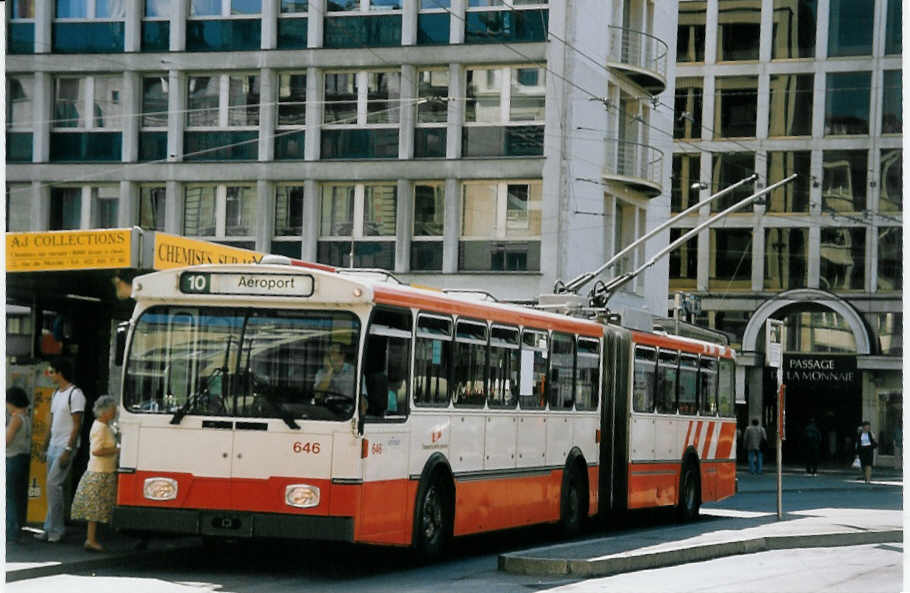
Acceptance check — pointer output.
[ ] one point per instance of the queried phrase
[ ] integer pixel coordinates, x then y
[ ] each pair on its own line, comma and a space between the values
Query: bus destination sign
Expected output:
293, 285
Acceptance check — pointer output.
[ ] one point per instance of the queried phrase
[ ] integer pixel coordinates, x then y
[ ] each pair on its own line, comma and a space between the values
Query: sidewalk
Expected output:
723, 530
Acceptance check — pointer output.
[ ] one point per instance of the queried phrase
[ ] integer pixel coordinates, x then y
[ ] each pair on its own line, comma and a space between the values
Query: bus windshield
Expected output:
242, 362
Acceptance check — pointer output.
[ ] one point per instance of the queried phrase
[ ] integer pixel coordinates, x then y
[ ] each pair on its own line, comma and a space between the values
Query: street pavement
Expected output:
719, 532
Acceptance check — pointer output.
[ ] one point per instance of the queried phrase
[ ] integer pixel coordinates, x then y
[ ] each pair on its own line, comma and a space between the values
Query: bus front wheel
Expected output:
433, 520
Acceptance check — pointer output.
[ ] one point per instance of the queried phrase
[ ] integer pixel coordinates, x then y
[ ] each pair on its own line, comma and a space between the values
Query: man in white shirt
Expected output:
67, 408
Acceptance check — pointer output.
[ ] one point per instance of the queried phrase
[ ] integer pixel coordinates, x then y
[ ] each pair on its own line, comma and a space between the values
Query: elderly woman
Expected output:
94, 500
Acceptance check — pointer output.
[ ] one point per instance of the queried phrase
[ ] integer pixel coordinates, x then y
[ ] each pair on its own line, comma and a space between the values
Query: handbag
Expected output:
856, 464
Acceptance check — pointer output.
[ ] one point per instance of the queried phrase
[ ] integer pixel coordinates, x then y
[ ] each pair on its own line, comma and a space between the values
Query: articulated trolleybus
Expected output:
291, 401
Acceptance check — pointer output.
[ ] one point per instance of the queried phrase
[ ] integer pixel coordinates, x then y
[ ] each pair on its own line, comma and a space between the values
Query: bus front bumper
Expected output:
233, 524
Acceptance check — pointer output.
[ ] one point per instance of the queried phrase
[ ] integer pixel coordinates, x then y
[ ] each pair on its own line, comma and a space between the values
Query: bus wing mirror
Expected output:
120, 342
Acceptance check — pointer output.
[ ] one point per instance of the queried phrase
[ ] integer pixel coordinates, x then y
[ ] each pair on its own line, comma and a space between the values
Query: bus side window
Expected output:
644, 379
587, 374
707, 386
386, 363
533, 388
469, 383
562, 372
432, 359
688, 384
667, 363
726, 387
504, 367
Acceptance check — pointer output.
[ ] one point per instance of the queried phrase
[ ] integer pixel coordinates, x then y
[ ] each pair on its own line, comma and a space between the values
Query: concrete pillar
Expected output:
758, 252
132, 27
41, 206
762, 116
270, 12
42, 103
403, 226
173, 208
314, 113
314, 25
128, 208
408, 112
455, 111
822, 8
451, 227
814, 256
457, 22
175, 118
179, 10
409, 22
265, 215
132, 106
310, 229
44, 15
711, 35
268, 93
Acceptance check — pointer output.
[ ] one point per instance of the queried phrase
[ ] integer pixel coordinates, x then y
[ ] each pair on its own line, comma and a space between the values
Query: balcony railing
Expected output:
641, 56
638, 165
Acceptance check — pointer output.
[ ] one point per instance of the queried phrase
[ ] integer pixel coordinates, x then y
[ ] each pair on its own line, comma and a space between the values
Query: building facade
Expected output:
819, 94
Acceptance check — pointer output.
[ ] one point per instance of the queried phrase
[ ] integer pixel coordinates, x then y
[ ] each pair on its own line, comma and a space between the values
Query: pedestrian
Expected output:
865, 444
899, 446
18, 449
812, 442
60, 446
97, 490
753, 438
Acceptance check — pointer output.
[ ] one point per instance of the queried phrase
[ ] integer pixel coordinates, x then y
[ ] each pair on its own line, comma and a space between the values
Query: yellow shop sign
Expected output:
173, 251
69, 250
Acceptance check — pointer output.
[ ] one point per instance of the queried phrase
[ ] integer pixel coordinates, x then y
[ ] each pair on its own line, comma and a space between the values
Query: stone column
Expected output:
451, 227
179, 10
455, 111
314, 24
44, 15
270, 12
173, 208
132, 106
128, 208
41, 206
176, 101
407, 111
409, 22
457, 21
265, 215
314, 113
310, 231
268, 93
42, 103
403, 227
132, 27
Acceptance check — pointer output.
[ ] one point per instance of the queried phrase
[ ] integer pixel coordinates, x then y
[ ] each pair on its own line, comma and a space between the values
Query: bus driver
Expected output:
336, 377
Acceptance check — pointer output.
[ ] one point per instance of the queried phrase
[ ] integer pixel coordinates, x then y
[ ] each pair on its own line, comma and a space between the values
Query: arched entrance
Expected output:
823, 337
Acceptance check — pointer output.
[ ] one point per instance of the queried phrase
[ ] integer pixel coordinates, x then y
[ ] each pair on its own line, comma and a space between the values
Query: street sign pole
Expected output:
780, 443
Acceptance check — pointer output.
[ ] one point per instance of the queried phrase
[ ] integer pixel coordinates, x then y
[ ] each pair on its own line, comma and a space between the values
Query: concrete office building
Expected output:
818, 94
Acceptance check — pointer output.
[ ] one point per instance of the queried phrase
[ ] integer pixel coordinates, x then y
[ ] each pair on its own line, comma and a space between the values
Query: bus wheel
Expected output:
432, 524
689, 495
572, 505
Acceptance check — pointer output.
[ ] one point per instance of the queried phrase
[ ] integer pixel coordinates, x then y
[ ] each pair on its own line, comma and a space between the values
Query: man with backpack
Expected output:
60, 446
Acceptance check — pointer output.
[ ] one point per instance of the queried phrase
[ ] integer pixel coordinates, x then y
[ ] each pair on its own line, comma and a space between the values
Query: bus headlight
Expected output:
160, 488
302, 496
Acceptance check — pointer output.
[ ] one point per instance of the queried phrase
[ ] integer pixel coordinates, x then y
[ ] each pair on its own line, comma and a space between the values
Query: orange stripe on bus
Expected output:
707, 447
725, 440
688, 434
695, 439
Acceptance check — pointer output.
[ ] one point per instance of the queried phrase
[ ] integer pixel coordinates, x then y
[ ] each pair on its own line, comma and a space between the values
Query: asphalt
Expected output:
719, 532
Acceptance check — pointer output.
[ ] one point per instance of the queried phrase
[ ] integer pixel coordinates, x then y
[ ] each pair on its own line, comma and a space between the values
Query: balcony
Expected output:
641, 57
637, 165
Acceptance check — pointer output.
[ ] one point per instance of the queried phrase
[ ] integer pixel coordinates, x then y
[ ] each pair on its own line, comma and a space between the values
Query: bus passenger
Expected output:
337, 376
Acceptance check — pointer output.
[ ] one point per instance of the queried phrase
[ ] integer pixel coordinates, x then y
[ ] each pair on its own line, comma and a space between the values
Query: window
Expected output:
690, 36
892, 102
18, 207
501, 224
89, 9
667, 364
786, 255
432, 356
387, 362
66, 208
683, 261
738, 29
504, 367
219, 211
429, 217
730, 259
534, 350
433, 22
358, 219
86, 103
688, 384
707, 375
850, 25
504, 21
793, 196
793, 29
341, 98
890, 259
294, 6
888, 328
847, 103
686, 172
891, 183
362, 98
644, 379
223, 101
504, 111
469, 382
687, 108
433, 90
728, 168
224, 7
155, 101
155, 25
19, 102
790, 105
562, 372
587, 374
362, 5
735, 106
105, 201
152, 200
726, 387
292, 99
843, 258
23, 9
844, 178
289, 210
893, 38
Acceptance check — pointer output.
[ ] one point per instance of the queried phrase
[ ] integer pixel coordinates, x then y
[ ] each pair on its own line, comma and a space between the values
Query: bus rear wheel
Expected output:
572, 505
689, 495
433, 522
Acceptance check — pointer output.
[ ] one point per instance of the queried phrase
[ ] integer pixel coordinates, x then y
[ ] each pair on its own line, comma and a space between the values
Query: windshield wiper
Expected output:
194, 398
262, 389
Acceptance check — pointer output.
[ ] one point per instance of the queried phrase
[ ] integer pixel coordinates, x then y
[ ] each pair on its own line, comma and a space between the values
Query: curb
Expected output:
107, 561
530, 566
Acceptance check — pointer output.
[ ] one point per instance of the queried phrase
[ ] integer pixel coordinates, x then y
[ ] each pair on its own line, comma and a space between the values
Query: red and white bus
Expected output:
301, 402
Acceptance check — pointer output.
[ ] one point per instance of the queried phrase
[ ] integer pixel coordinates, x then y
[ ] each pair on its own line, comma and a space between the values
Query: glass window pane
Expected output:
727, 169
23, 9
240, 210
157, 8
202, 101
429, 210
294, 5
790, 105
431, 366
337, 216
380, 210
643, 380
154, 102
850, 26
818, 331
683, 261
523, 209
687, 108
428, 4
786, 255
469, 389
383, 97
478, 218
888, 328
686, 171
152, 201
289, 210
107, 105
562, 372
688, 384
890, 259
587, 381
847, 103
483, 91
69, 101
105, 200
243, 101
246, 6
792, 196
666, 382
71, 9
690, 34
426, 255
892, 103
793, 29
292, 99
19, 102
844, 176
735, 106
730, 259
738, 28
892, 181
533, 365
199, 210
843, 258
385, 4
529, 88
110, 9
707, 374
432, 85
18, 207
342, 5
66, 208
893, 36
340, 98
205, 7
